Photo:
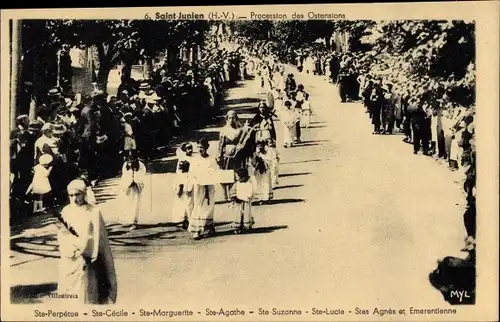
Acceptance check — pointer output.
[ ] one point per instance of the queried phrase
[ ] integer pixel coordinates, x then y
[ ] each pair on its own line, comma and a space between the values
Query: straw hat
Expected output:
35, 126
68, 102
59, 129
144, 86
54, 92
47, 127
22, 117
45, 159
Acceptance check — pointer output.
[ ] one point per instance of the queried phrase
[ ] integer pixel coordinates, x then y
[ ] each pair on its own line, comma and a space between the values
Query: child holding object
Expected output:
242, 196
261, 164
183, 199
40, 186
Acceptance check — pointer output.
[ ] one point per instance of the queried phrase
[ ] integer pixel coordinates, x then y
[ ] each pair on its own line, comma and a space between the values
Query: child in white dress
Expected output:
261, 164
132, 185
40, 186
243, 191
305, 118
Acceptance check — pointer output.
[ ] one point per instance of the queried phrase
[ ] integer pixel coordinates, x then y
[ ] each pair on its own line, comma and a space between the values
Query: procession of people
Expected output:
77, 141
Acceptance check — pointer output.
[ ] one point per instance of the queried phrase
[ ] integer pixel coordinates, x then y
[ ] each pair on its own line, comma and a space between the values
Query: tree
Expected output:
124, 40
253, 29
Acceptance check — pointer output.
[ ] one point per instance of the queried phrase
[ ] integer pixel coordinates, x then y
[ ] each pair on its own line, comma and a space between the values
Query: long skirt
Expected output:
92, 283
305, 119
202, 218
243, 218
288, 134
130, 202
74, 278
182, 208
274, 173
263, 186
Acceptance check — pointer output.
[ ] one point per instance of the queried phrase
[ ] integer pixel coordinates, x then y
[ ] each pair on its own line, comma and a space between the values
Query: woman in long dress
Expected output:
202, 218
86, 266
229, 159
131, 187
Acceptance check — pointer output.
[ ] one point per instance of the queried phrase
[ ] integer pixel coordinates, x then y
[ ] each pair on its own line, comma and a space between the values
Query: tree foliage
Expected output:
115, 40
434, 60
253, 29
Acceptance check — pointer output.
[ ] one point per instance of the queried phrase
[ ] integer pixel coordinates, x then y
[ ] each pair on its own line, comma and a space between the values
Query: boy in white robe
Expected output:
183, 200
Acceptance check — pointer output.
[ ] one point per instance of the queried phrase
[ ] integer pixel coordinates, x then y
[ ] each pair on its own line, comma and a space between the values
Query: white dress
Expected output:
263, 181
183, 203
130, 195
41, 183
288, 120
243, 217
73, 278
203, 196
305, 118
274, 166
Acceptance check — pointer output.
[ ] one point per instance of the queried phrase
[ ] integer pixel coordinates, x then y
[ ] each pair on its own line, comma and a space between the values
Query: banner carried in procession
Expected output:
211, 177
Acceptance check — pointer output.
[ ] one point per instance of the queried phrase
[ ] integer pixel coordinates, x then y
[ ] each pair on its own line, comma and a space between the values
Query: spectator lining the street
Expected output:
40, 186
129, 143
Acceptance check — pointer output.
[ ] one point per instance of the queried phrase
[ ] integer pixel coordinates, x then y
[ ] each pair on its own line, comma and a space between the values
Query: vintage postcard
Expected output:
312, 162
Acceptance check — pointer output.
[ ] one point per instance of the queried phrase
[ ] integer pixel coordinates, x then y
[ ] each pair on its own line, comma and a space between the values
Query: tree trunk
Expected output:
172, 58
102, 77
15, 70
104, 68
127, 70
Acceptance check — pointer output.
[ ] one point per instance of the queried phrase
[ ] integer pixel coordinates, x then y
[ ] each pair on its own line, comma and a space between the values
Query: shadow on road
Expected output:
315, 127
257, 230
30, 294
283, 201
305, 161
289, 186
241, 101
43, 246
284, 175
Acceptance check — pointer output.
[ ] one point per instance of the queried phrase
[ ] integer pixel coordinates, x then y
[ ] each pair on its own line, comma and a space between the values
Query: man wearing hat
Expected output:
143, 89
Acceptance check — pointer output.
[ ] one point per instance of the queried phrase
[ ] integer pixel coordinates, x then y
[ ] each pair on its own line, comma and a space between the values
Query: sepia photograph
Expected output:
292, 165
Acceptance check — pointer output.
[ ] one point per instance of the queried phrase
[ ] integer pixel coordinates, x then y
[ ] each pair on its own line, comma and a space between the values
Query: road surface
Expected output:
358, 220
